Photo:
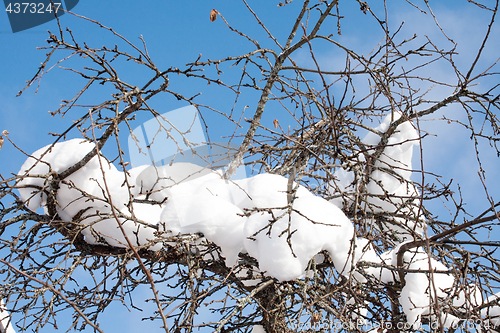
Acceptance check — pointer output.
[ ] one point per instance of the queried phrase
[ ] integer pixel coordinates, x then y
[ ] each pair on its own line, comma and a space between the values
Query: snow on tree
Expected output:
332, 230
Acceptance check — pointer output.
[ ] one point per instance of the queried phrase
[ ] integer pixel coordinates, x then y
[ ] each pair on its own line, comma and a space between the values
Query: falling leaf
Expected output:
213, 15
275, 122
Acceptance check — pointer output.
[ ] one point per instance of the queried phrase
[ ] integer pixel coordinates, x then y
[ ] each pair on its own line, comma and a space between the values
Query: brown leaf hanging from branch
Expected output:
213, 15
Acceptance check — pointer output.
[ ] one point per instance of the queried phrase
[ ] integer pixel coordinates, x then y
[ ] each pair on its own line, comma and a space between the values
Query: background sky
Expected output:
176, 33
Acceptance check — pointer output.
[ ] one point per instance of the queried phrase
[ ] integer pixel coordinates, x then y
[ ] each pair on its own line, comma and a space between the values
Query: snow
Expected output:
5, 320
250, 215
106, 229
469, 297
389, 185
258, 329
73, 151
283, 249
156, 181
357, 313
419, 289
215, 208
492, 312
235, 215
84, 193
218, 220
268, 190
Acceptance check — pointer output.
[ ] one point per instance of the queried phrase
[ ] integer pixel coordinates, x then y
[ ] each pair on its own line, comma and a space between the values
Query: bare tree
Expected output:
331, 146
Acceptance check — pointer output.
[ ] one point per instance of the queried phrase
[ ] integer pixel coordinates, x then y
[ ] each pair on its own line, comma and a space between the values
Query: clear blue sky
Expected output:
176, 33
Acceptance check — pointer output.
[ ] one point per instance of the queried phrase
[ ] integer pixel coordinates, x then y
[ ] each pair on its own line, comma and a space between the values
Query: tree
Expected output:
338, 230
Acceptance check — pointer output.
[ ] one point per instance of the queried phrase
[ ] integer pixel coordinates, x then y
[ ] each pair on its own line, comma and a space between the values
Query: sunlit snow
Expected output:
389, 184
251, 215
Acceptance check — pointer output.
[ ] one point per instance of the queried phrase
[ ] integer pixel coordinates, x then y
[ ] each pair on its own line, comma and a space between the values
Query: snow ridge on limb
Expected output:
384, 187
249, 215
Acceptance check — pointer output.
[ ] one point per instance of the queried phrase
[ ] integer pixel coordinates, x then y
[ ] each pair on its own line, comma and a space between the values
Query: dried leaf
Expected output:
275, 122
213, 15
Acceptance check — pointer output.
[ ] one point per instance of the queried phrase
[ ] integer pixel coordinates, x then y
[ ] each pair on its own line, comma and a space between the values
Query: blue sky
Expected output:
176, 33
